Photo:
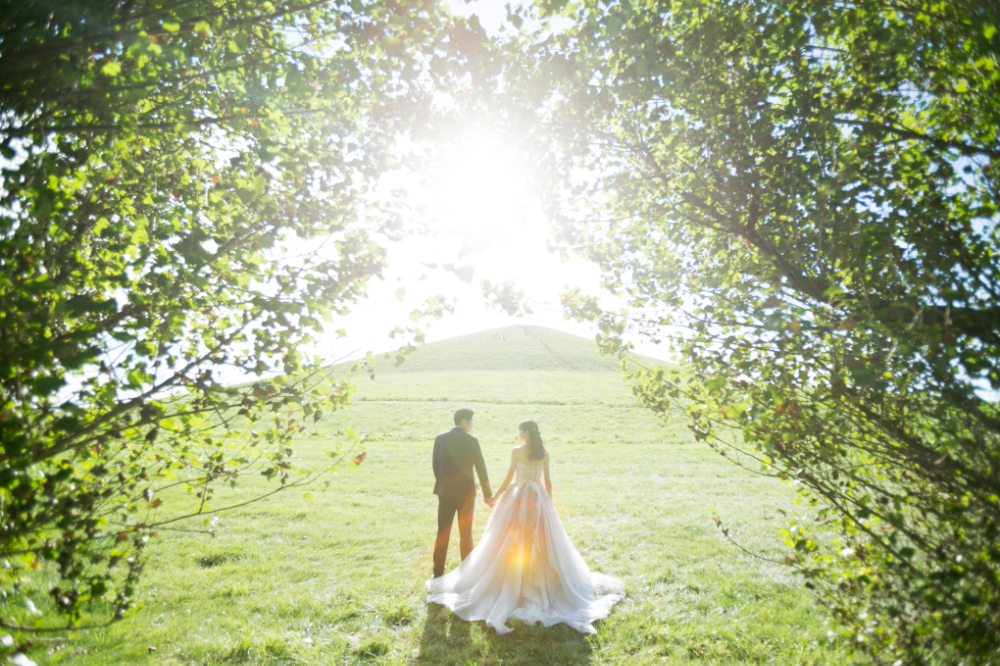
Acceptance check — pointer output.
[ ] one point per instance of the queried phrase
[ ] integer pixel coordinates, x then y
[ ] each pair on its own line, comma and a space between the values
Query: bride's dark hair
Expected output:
536, 448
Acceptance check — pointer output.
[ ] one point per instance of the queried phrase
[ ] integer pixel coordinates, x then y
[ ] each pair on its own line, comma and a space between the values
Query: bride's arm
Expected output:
548, 481
510, 475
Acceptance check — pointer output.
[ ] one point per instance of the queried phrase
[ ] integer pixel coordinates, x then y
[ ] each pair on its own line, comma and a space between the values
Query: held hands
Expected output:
490, 501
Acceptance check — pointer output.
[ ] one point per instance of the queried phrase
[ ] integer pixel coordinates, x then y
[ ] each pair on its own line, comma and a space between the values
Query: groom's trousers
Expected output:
447, 508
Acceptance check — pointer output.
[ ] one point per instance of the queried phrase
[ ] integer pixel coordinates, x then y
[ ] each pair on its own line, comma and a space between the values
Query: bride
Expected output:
525, 567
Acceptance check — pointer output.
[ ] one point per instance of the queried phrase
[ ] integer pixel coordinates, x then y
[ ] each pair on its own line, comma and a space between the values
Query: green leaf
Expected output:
140, 235
864, 376
735, 410
715, 384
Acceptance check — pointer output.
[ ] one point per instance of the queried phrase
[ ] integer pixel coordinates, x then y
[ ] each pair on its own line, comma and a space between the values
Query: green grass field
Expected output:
338, 578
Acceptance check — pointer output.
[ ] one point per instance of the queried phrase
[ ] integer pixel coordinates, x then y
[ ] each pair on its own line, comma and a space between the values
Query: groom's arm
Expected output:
484, 480
437, 461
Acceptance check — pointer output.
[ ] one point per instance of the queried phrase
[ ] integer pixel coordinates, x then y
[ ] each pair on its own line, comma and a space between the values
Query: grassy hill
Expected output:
509, 348
338, 577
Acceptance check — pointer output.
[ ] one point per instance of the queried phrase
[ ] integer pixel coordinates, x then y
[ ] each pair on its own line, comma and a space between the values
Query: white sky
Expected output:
479, 196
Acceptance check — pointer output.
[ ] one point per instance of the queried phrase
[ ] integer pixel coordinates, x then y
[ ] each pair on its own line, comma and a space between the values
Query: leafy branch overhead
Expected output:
801, 199
185, 201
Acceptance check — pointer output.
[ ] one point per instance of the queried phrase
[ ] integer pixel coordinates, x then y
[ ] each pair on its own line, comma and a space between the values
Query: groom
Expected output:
456, 452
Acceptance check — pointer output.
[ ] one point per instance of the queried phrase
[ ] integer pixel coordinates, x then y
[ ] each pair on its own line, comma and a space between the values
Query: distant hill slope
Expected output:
508, 348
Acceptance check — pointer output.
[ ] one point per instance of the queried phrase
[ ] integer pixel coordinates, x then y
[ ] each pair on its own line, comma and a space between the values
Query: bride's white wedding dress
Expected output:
525, 567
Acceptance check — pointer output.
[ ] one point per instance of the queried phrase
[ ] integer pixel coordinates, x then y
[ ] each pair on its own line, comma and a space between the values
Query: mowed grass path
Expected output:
339, 578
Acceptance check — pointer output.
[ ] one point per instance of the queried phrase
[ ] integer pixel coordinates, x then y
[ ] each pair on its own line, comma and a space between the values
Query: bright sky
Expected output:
480, 197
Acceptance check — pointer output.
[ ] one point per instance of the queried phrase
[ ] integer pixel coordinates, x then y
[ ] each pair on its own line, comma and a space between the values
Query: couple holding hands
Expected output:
525, 566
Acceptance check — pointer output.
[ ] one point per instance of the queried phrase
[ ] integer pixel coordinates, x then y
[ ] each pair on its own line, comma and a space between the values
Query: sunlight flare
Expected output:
479, 191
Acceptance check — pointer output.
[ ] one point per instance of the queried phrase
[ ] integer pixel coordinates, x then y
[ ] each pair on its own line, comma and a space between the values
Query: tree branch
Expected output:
960, 146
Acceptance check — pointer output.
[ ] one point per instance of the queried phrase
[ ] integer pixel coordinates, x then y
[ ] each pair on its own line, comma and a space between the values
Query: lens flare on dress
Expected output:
526, 568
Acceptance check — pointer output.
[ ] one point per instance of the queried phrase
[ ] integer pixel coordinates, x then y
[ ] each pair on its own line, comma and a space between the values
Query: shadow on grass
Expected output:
449, 640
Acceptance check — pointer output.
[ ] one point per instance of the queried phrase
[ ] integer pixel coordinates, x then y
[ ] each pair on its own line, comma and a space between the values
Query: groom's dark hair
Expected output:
464, 414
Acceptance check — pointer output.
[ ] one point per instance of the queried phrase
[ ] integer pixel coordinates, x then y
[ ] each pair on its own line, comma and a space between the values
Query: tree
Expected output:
184, 194
801, 199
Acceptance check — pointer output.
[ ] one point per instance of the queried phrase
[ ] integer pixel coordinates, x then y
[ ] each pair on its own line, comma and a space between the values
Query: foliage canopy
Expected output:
184, 195
801, 197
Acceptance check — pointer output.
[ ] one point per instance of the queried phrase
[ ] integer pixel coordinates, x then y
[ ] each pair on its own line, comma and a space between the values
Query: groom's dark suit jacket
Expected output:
456, 452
